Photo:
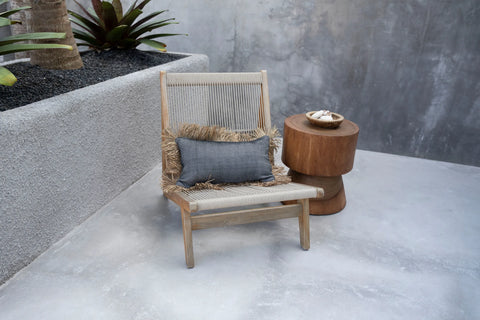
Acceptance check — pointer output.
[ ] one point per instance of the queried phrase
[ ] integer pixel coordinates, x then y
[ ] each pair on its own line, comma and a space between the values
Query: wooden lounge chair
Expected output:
240, 102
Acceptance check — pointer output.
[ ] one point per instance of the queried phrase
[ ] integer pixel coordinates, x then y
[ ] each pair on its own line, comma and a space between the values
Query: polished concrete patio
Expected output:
407, 246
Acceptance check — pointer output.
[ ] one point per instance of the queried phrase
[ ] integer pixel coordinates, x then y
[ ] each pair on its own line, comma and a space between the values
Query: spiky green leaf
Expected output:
154, 44
130, 17
97, 6
5, 22
117, 33
117, 5
90, 26
32, 36
19, 47
151, 26
128, 43
147, 18
109, 16
159, 35
90, 16
143, 4
94, 17
131, 8
86, 37
81, 44
6, 77
79, 23
12, 11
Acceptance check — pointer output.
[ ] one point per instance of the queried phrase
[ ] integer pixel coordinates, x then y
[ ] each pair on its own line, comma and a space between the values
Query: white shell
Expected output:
321, 113
329, 118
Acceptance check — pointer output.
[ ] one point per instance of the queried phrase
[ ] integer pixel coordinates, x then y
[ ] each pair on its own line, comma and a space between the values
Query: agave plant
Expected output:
11, 44
107, 27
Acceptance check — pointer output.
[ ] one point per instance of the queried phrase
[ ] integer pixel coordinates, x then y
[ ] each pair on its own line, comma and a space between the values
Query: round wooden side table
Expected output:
318, 156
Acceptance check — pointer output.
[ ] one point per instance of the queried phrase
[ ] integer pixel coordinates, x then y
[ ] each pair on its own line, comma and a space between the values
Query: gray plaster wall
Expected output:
63, 158
407, 72
4, 32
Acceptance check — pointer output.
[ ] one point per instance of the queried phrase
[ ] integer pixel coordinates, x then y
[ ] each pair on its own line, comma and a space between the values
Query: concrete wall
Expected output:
406, 71
63, 158
4, 32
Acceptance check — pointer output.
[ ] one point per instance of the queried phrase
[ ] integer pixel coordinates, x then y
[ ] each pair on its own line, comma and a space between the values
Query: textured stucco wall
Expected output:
406, 71
4, 32
63, 158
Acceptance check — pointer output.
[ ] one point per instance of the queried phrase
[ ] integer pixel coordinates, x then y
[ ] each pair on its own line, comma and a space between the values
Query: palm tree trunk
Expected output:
51, 16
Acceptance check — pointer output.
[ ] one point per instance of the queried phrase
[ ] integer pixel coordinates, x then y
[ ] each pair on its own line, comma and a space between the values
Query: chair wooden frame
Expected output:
189, 204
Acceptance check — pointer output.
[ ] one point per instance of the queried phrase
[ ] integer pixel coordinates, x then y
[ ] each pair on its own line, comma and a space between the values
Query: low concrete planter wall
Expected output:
63, 158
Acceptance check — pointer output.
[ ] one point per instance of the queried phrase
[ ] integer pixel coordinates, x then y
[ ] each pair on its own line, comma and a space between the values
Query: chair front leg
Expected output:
187, 238
304, 224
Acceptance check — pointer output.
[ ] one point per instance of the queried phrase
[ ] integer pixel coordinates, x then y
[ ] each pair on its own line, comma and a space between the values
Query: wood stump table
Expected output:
318, 156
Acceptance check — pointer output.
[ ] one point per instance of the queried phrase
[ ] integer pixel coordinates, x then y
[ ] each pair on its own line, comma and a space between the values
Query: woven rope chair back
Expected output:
238, 101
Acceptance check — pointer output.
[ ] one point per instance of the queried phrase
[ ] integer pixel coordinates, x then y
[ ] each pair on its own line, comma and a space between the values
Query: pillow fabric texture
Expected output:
243, 162
224, 162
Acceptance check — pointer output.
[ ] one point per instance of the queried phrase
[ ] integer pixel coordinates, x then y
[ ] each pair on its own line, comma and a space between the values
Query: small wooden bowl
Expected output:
335, 123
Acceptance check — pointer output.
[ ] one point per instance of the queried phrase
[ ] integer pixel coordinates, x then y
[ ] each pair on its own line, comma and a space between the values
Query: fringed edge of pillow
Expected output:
173, 168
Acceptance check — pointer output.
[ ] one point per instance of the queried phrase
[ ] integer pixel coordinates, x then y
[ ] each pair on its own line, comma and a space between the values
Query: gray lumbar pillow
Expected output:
224, 162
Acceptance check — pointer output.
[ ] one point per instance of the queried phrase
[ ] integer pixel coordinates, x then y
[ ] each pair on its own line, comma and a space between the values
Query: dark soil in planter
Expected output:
35, 84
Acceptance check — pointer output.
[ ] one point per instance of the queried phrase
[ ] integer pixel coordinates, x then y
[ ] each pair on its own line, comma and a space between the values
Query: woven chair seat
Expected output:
233, 196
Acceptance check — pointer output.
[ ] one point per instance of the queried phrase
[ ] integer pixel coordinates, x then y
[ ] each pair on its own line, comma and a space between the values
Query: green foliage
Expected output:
10, 44
106, 26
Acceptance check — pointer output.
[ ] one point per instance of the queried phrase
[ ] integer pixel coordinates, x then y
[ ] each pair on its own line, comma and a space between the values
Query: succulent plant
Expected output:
106, 26
11, 44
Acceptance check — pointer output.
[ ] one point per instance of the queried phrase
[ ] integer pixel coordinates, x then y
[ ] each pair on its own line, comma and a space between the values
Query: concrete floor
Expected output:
407, 246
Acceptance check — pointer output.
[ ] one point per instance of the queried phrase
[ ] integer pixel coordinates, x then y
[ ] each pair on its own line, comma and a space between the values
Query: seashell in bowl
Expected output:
327, 119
